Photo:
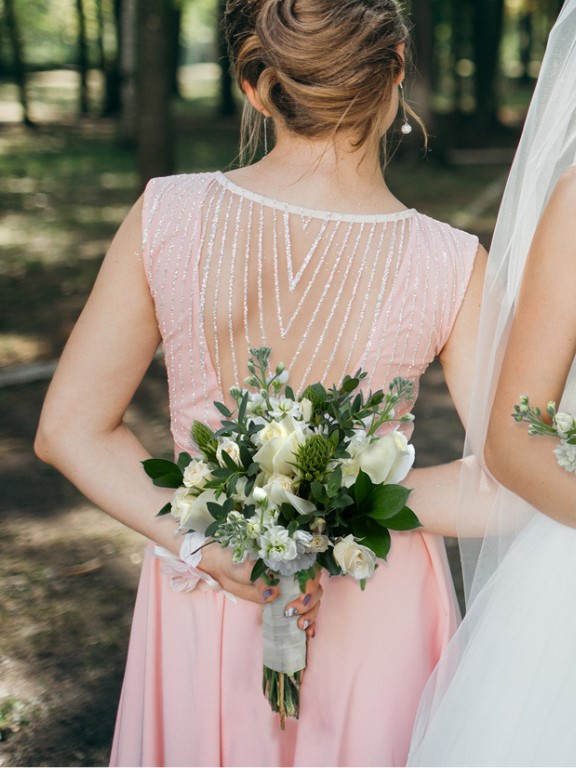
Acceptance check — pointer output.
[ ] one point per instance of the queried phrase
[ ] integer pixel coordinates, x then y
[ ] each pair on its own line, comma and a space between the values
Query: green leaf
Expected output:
305, 576
372, 535
229, 461
349, 384
405, 520
223, 409
362, 489
183, 460
243, 406
165, 510
245, 457
386, 501
212, 528
318, 492
258, 570
165, 474
334, 482
327, 561
289, 393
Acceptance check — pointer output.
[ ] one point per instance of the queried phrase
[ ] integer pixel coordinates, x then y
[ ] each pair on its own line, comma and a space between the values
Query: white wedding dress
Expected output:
504, 692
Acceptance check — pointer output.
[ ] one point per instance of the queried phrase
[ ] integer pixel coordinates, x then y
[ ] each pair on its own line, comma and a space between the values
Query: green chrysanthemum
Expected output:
204, 438
312, 458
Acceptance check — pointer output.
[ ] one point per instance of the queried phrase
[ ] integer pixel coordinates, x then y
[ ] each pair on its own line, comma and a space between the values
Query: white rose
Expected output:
192, 511
280, 440
564, 422
196, 474
280, 490
231, 448
566, 456
387, 459
308, 542
354, 558
350, 469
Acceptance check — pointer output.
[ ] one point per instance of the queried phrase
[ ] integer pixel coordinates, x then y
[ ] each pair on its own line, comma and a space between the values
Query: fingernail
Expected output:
305, 624
267, 593
307, 599
289, 612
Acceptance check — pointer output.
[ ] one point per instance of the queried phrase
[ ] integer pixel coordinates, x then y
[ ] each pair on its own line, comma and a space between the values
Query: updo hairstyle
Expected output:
320, 66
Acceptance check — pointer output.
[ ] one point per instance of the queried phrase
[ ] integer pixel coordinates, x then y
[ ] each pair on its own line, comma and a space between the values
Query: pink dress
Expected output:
228, 270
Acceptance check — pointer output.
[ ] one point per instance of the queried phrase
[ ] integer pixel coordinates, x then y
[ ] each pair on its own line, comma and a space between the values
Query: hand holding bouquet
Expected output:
295, 483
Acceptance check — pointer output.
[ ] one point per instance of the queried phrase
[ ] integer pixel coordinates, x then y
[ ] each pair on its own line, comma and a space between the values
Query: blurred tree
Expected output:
11, 21
227, 106
127, 47
487, 34
109, 26
84, 105
153, 89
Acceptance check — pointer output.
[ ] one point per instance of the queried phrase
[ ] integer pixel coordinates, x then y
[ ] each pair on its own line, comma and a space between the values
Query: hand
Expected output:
235, 578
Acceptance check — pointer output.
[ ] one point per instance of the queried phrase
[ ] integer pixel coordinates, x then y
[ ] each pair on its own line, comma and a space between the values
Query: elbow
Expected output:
43, 444
49, 439
492, 453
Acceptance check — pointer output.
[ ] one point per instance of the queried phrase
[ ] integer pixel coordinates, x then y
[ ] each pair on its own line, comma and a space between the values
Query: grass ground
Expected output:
67, 572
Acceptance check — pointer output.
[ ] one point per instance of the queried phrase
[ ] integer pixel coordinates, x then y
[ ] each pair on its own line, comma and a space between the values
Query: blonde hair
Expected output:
320, 66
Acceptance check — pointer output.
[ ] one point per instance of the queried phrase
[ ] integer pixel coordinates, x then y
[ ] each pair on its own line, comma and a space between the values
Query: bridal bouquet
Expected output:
563, 426
295, 484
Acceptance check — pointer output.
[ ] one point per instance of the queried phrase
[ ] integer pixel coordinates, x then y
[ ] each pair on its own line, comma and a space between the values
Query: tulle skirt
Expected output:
504, 693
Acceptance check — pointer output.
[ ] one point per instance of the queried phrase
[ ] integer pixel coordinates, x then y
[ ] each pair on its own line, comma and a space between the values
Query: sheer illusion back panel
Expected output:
230, 269
308, 284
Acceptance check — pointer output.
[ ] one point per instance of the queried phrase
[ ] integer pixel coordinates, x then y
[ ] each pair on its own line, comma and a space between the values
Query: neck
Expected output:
328, 174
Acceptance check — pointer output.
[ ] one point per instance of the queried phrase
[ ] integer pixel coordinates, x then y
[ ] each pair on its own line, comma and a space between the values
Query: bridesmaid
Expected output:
306, 251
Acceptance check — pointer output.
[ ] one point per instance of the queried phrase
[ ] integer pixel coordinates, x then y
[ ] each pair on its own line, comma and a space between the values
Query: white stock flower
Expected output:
230, 447
354, 559
196, 474
192, 511
566, 456
564, 422
387, 459
276, 547
280, 440
284, 406
256, 404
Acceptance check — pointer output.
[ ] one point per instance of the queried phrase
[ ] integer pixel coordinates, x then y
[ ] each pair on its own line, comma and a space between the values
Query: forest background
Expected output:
96, 97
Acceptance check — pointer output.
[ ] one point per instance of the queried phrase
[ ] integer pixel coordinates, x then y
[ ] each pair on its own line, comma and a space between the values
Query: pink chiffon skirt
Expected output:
192, 692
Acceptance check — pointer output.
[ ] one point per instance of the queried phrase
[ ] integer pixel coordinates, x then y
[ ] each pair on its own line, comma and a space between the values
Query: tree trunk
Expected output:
13, 32
175, 47
127, 57
227, 101
82, 59
488, 21
153, 89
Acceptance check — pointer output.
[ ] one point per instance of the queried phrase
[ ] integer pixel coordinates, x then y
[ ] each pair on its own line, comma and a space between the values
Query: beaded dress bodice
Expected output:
329, 293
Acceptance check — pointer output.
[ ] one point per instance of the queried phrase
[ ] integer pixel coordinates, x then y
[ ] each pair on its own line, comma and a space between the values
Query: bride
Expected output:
503, 693
308, 252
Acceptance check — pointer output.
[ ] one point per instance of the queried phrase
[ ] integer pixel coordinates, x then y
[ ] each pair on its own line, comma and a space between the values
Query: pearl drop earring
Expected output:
405, 128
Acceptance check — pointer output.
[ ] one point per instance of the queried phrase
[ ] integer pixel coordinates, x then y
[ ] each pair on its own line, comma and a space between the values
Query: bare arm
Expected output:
540, 351
81, 430
435, 489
